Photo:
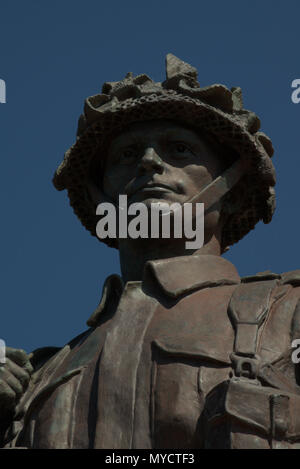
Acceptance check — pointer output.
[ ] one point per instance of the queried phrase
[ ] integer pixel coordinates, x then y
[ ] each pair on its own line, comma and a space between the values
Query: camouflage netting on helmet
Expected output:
215, 110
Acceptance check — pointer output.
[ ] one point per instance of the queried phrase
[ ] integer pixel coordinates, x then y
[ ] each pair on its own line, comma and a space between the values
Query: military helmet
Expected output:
214, 110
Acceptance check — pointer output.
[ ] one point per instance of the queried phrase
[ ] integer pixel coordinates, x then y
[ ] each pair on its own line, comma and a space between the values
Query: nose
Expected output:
151, 162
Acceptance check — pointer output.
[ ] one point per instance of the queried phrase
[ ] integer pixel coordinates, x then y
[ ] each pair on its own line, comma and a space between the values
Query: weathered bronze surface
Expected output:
181, 352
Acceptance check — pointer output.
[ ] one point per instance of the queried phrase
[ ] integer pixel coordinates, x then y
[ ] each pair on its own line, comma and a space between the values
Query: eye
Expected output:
181, 149
129, 154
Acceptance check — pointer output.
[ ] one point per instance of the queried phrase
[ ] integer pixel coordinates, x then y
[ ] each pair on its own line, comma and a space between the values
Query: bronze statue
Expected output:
181, 352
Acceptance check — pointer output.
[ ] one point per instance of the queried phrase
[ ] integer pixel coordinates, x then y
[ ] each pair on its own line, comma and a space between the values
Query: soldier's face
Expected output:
159, 161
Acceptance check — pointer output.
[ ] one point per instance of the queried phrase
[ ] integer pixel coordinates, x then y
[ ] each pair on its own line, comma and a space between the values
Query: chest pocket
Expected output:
177, 397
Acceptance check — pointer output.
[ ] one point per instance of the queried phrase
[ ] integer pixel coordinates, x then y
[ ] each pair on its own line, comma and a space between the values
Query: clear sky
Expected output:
52, 56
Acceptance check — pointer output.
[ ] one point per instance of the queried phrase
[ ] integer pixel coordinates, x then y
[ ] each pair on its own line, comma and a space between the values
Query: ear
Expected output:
233, 201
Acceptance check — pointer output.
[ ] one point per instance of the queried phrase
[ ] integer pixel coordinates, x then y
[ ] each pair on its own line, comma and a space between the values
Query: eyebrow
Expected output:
139, 138
119, 141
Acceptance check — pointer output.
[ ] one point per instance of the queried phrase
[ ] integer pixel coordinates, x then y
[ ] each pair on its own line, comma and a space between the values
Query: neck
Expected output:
135, 253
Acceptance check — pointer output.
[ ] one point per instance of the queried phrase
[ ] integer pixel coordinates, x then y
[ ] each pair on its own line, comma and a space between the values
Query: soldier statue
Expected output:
181, 352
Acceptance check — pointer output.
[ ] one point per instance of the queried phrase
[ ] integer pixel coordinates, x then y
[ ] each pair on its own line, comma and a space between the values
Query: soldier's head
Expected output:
168, 142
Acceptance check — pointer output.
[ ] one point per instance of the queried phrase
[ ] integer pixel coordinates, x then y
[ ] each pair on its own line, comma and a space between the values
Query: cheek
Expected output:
197, 177
115, 180
110, 183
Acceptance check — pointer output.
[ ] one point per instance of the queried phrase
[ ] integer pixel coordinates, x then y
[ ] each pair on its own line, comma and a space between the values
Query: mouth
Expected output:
152, 187
156, 187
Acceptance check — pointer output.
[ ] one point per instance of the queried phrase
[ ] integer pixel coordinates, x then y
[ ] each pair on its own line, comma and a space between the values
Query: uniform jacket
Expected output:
192, 356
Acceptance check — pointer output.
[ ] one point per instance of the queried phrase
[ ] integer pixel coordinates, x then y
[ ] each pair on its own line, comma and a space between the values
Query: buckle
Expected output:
245, 367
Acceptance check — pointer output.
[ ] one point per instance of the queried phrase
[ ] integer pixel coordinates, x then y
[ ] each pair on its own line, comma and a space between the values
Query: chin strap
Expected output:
210, 194
214, 191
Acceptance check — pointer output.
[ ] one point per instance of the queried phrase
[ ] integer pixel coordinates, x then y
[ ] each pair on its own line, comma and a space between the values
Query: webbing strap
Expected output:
248, 308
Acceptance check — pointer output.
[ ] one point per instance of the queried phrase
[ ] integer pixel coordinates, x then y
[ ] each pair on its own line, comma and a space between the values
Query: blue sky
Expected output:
52, 56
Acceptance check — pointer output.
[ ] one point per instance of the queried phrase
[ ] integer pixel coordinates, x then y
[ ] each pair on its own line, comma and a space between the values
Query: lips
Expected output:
161, 187
151, 186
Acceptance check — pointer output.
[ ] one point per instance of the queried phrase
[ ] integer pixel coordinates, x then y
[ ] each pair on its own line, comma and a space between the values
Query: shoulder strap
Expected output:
248, 308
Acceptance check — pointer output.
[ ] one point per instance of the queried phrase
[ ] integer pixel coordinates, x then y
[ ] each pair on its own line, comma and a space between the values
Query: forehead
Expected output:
155, 129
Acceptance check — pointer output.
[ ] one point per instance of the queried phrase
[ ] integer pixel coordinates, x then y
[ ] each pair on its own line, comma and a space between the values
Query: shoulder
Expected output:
42, 355
285, 297
291, 277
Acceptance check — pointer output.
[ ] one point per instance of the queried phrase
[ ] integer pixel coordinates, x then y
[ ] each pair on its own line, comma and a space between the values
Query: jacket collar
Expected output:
175, 276
180, 275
